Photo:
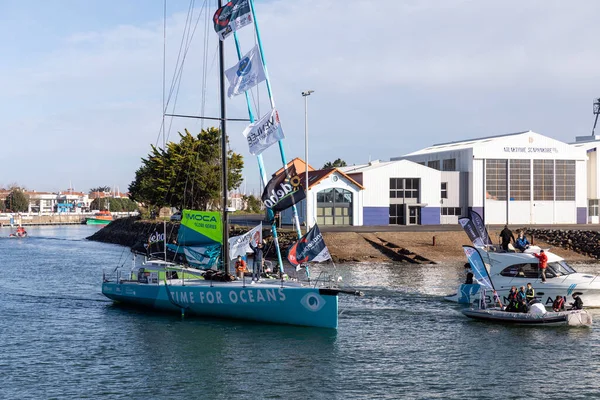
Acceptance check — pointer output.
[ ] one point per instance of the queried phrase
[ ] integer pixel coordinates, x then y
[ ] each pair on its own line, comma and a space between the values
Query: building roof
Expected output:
314, 177
464, 144
298, 163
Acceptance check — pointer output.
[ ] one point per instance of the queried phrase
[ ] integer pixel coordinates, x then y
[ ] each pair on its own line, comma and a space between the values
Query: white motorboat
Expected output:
507, 269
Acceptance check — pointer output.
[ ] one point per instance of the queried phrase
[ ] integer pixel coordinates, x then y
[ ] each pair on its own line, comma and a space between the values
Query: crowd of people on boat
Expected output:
521, 300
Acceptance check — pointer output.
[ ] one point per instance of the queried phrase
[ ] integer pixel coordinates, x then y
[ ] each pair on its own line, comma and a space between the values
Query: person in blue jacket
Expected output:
521, 243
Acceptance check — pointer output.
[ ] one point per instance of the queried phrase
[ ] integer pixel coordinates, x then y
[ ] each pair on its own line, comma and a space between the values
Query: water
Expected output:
61, 339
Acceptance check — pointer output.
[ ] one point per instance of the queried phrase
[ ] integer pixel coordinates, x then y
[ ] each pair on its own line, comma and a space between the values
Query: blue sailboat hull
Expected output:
296, 305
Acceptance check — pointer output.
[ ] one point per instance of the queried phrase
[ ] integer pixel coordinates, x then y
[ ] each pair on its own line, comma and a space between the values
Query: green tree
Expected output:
253, 204
17, 200
186, 174
336, 164
100, 189
114, 205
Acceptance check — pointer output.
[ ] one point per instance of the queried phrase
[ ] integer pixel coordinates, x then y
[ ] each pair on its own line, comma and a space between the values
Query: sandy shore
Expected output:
351, 246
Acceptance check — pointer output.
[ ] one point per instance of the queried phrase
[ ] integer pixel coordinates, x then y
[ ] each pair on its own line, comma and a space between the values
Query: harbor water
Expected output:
62, 339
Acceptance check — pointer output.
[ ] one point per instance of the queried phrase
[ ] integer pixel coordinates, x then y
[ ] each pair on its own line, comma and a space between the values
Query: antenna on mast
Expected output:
596, 112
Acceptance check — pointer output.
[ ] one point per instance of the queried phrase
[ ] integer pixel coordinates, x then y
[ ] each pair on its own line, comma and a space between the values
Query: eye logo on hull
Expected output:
312, 302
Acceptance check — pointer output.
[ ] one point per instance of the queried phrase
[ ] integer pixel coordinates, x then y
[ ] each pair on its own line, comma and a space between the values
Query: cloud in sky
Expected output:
82, 83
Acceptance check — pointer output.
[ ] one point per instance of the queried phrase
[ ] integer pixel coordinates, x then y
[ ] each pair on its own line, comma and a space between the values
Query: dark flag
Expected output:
283, 191
234, 15
480, 227
471, 231
310, 247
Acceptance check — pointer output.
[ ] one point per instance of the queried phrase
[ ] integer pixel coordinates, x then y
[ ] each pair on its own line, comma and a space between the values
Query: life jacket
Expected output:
558, 303
512, 296
530, 294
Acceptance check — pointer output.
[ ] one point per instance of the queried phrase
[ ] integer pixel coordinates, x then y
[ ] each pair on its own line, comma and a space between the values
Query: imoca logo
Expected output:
200, 217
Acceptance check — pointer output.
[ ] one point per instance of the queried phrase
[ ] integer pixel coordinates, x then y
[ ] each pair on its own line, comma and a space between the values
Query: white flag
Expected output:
246, 74
263, 133
239, 245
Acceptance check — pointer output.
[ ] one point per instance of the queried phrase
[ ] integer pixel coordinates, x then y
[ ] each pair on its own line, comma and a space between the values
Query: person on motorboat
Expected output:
543, 263
521, 243
512, 299
506, 236
529, 294
469, 276
559, 304
521, 300
577, 304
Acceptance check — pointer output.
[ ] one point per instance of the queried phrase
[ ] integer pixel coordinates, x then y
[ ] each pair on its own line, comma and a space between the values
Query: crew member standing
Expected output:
543, 263
506, 236
257, 260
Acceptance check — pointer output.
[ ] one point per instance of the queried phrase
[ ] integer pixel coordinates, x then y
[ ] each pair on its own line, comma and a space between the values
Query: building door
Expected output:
414, 215
334, 207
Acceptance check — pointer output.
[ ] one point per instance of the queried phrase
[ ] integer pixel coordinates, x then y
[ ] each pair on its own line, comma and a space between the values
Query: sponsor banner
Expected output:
480, 227
471, 231
235, 14
310, 248
246, 74
200, 227
263, 133
240, 245
480, 272
283, 190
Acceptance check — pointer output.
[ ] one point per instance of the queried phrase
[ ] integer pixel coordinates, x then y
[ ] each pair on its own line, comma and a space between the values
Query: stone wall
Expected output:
580, 241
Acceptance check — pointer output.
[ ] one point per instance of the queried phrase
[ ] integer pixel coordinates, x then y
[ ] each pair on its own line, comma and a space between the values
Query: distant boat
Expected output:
100, 218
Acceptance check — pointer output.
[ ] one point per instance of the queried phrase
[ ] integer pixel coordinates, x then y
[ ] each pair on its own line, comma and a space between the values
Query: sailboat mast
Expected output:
223, 152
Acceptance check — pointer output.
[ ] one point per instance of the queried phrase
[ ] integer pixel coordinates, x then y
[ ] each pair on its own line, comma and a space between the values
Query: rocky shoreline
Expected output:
401, 247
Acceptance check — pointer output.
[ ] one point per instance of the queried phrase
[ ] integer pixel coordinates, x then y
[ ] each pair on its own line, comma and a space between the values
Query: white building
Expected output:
406, 193
519, 178
591, 144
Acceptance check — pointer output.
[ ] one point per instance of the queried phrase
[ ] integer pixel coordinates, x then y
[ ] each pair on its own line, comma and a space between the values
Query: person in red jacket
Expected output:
543, 263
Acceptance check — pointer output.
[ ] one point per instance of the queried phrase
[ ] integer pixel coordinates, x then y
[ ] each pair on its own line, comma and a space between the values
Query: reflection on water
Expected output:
62, 339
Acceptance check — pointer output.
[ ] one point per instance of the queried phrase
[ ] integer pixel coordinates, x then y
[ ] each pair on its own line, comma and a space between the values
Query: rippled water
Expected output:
62, 339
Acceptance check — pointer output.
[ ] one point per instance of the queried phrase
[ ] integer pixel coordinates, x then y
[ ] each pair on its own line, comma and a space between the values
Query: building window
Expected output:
422, 163
444, 194
404, 188
520, 180
451, 211
593, 207
397, 214
543, 180
450, 164
495, 179
434, 164
565, 180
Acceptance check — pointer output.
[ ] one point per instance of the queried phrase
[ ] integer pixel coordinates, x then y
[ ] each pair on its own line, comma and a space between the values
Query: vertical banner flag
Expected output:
246, 74
310, 247
478, 266
283, 190
471, 231
480, 227
263, 133
239, 245
235, 14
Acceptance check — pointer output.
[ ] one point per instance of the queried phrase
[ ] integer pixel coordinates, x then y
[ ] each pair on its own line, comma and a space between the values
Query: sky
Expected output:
81, 82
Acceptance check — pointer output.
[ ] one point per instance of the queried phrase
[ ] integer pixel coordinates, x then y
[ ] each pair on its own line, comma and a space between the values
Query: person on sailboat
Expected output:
240, 267
257, 260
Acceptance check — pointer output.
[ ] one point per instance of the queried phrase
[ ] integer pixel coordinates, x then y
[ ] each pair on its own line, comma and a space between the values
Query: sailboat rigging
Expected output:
202, 291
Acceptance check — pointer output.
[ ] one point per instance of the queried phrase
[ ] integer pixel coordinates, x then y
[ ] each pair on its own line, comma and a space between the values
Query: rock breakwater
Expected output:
581, 241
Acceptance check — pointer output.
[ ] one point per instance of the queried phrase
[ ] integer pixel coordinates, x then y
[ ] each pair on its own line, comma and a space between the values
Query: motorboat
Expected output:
103, 217
507, 269
537, 315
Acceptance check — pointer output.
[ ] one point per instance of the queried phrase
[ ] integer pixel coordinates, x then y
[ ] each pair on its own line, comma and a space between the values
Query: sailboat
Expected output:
169, 286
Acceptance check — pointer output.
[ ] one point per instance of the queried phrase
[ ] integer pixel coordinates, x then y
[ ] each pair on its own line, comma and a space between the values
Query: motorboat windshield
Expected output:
560, 268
